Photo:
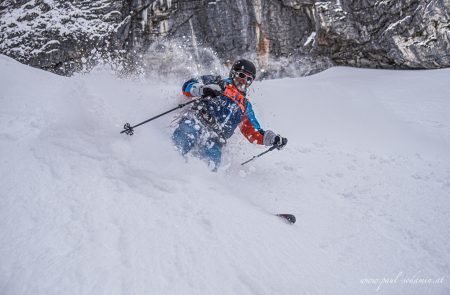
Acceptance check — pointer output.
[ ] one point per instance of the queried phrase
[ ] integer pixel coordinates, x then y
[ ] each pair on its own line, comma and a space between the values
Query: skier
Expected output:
222, 107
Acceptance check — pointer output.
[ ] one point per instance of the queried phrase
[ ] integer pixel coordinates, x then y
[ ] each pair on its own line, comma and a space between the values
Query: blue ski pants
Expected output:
190, 134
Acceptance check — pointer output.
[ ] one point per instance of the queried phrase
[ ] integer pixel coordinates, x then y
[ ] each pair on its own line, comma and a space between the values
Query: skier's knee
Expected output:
184, 138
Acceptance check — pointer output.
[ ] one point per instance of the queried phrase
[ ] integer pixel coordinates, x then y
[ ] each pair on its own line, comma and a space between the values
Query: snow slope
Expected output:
86, 210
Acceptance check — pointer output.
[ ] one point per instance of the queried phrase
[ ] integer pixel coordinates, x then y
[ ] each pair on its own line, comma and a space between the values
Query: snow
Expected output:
86, 210
310, 39
398, 23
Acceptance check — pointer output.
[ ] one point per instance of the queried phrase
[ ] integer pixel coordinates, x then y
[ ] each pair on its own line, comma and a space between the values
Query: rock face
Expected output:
286, 37
397, 34
60, 36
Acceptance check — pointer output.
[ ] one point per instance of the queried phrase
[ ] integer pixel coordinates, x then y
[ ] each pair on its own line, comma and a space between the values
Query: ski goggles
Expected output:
244, 76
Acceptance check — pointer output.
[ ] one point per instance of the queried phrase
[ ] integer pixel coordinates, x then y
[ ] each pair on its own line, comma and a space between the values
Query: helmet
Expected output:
242, 73
245, 66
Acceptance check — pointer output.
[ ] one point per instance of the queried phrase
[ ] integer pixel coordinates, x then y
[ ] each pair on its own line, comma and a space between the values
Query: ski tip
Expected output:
288, 217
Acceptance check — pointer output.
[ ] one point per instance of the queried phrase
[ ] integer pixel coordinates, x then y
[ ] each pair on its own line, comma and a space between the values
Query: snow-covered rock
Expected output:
56, 35
372, 33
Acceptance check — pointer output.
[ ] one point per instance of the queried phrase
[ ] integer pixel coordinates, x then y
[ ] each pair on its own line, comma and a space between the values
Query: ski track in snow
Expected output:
86, 210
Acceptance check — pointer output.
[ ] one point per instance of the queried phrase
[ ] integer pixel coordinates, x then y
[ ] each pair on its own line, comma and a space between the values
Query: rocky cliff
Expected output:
286, 37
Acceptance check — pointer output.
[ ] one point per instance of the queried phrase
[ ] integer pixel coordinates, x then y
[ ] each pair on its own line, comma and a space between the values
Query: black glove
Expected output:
273, 139
280, 142
211, 90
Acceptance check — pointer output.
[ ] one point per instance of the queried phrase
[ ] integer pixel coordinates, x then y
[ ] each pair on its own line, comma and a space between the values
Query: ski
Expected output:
288, 217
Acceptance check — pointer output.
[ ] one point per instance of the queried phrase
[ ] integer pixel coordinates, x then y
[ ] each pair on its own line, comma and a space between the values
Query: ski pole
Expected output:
259, 155
129, 130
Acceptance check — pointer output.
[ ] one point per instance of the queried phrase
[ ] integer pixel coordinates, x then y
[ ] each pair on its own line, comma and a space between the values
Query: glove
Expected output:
280, 142
272, 139
210, 90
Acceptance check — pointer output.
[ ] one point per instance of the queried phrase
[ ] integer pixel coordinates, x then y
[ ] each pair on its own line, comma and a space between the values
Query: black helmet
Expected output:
245, 66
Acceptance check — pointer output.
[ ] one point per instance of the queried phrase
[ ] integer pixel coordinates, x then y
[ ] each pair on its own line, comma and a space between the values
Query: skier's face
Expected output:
242, 80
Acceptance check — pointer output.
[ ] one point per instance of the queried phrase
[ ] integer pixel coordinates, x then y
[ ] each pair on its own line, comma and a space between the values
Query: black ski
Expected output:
288, 217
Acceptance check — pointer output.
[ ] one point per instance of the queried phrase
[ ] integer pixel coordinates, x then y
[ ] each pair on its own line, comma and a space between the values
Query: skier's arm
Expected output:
191, 88
197, 87
250, 127
254, 133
